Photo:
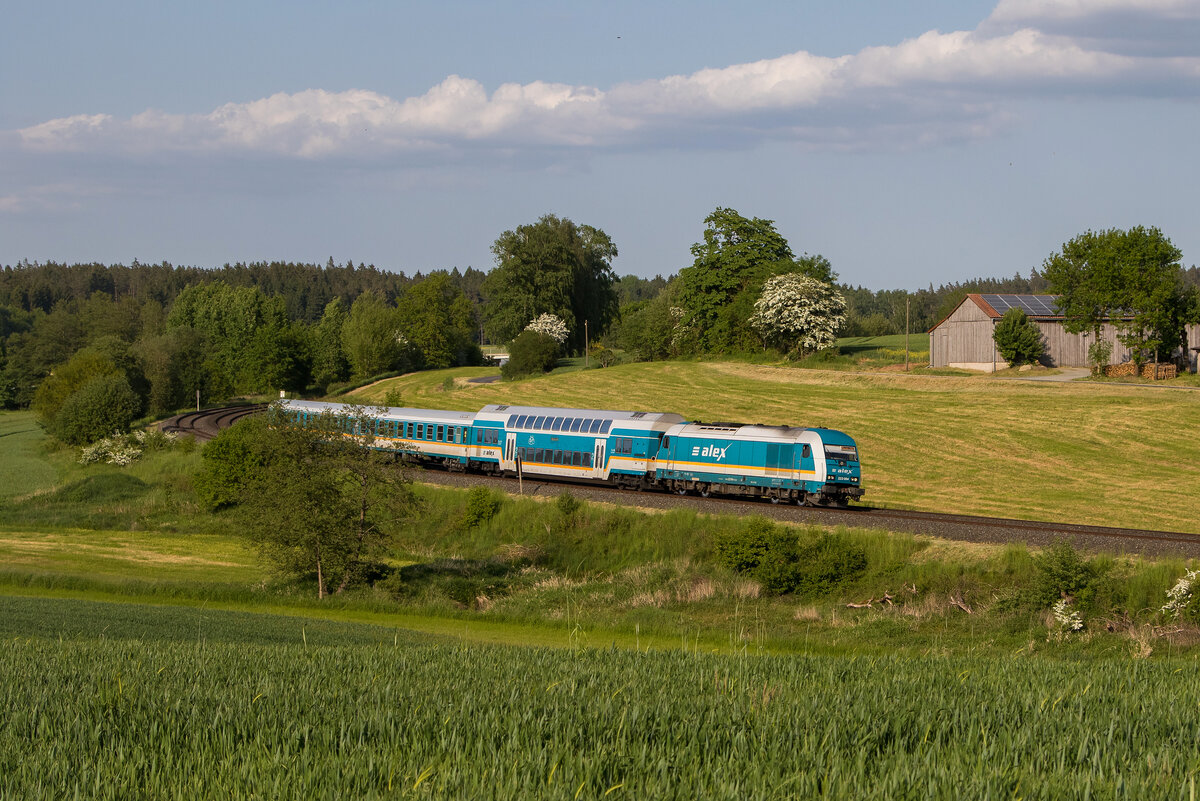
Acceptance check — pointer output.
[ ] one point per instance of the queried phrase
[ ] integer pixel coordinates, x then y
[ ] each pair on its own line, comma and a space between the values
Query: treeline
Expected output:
171, 332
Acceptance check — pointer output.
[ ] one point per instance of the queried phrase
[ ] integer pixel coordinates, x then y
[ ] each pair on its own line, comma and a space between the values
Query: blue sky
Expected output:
910, 143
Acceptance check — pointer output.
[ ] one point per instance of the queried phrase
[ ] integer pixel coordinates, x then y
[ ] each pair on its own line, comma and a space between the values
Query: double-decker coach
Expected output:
580, 444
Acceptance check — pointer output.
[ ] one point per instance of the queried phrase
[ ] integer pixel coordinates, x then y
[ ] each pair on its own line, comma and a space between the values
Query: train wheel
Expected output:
681, 491
774, 499
705, 490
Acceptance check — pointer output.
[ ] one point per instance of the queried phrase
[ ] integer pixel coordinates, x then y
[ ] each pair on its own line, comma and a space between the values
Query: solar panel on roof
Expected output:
1032, 305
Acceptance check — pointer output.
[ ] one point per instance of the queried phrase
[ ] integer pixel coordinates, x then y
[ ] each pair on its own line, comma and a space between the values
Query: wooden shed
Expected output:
965, 337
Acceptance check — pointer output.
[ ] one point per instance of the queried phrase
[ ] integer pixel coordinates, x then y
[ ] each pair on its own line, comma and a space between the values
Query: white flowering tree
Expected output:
552, 326
798, 311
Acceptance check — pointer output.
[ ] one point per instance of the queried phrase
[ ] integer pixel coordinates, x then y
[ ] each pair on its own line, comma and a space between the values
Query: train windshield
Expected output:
847, 453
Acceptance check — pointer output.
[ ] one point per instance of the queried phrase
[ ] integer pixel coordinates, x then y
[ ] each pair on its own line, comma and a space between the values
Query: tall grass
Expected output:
239, 709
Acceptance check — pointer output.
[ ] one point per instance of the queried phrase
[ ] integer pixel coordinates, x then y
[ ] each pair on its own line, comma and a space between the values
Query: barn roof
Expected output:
1037, 307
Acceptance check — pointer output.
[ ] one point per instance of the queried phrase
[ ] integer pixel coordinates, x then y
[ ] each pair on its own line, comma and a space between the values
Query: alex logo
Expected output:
709, 450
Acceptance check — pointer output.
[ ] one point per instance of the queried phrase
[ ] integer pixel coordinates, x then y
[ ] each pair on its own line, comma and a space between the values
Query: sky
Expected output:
914, 143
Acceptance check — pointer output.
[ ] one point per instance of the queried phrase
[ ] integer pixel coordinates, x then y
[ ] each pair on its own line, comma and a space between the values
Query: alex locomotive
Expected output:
636, 450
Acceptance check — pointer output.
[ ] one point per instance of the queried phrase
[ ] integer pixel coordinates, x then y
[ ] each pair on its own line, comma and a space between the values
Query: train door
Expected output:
508, 459
600, 471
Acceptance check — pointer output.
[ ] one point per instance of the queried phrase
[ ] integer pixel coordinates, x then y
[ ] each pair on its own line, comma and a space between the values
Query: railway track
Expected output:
205, 424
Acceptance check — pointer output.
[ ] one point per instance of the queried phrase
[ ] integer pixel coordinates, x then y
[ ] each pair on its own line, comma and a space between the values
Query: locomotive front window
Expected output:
841, 452
806, 452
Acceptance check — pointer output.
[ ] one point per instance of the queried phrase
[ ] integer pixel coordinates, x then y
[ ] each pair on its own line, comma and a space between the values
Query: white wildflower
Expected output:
1068, 619
1179, 596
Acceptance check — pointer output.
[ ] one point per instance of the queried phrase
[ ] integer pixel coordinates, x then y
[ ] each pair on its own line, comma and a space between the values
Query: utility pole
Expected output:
906, 332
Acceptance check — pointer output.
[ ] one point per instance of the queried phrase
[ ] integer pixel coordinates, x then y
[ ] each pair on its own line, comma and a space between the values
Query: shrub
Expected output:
229, 462
826, 564
567, 505
530, 353
103, 406
482, 506
1062, 572
762, 549
1018, 339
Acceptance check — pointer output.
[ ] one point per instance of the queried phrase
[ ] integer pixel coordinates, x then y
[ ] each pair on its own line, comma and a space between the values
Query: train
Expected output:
631, 450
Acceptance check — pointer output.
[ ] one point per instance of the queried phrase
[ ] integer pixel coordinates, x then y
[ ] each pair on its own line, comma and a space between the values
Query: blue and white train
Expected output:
634, 450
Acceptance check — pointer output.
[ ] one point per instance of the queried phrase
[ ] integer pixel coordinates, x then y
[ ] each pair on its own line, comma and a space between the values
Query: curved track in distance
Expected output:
205, 424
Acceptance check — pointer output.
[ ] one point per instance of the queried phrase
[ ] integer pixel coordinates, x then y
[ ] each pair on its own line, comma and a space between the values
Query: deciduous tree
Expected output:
730, 266
1132, 279
552, 266
797, 311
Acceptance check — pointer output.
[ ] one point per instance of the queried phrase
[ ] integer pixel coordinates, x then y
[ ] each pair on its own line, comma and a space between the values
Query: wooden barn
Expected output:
965, 337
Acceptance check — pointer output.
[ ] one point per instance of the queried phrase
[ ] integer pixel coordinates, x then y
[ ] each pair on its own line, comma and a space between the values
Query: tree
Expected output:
798, 311
330, 364
437, 318
1131, 279
727, 275
316, 500
550, 325
66, 380
103, 406
531, 352
372, 339
552, 266
1018, 339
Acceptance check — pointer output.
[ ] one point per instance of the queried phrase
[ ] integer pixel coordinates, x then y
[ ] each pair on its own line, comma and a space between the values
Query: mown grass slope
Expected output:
1075, 452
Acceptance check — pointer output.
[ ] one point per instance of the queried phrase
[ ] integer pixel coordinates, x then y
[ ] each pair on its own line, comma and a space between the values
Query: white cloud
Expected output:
930, 88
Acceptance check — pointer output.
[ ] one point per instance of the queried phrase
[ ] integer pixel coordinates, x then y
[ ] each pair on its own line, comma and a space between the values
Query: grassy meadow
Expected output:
1107, 454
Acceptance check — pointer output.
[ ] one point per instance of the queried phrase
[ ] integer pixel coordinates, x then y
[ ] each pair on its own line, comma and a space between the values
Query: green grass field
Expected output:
128, 702
1106, 454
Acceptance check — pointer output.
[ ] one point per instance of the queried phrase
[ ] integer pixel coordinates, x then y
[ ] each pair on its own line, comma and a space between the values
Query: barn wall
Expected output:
1070, 350
964, 339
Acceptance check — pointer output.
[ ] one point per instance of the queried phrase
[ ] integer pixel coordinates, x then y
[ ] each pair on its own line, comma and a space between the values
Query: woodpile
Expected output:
1156, 372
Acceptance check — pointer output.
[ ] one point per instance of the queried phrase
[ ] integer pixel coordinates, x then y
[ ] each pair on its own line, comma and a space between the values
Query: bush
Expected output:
482, 506
828, 563
230, 461
1018, 339
567, 505
774, 557
530, 353
762, 549
1062, 572
103, 406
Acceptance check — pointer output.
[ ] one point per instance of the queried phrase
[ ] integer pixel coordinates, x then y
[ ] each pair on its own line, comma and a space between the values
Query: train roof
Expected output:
389, 412
638, 421
742, 431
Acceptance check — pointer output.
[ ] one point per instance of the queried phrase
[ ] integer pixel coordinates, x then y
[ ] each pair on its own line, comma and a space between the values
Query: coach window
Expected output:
556, 424
420, 431
605, 426
441, 434
576, 459
576, 422
587, 460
